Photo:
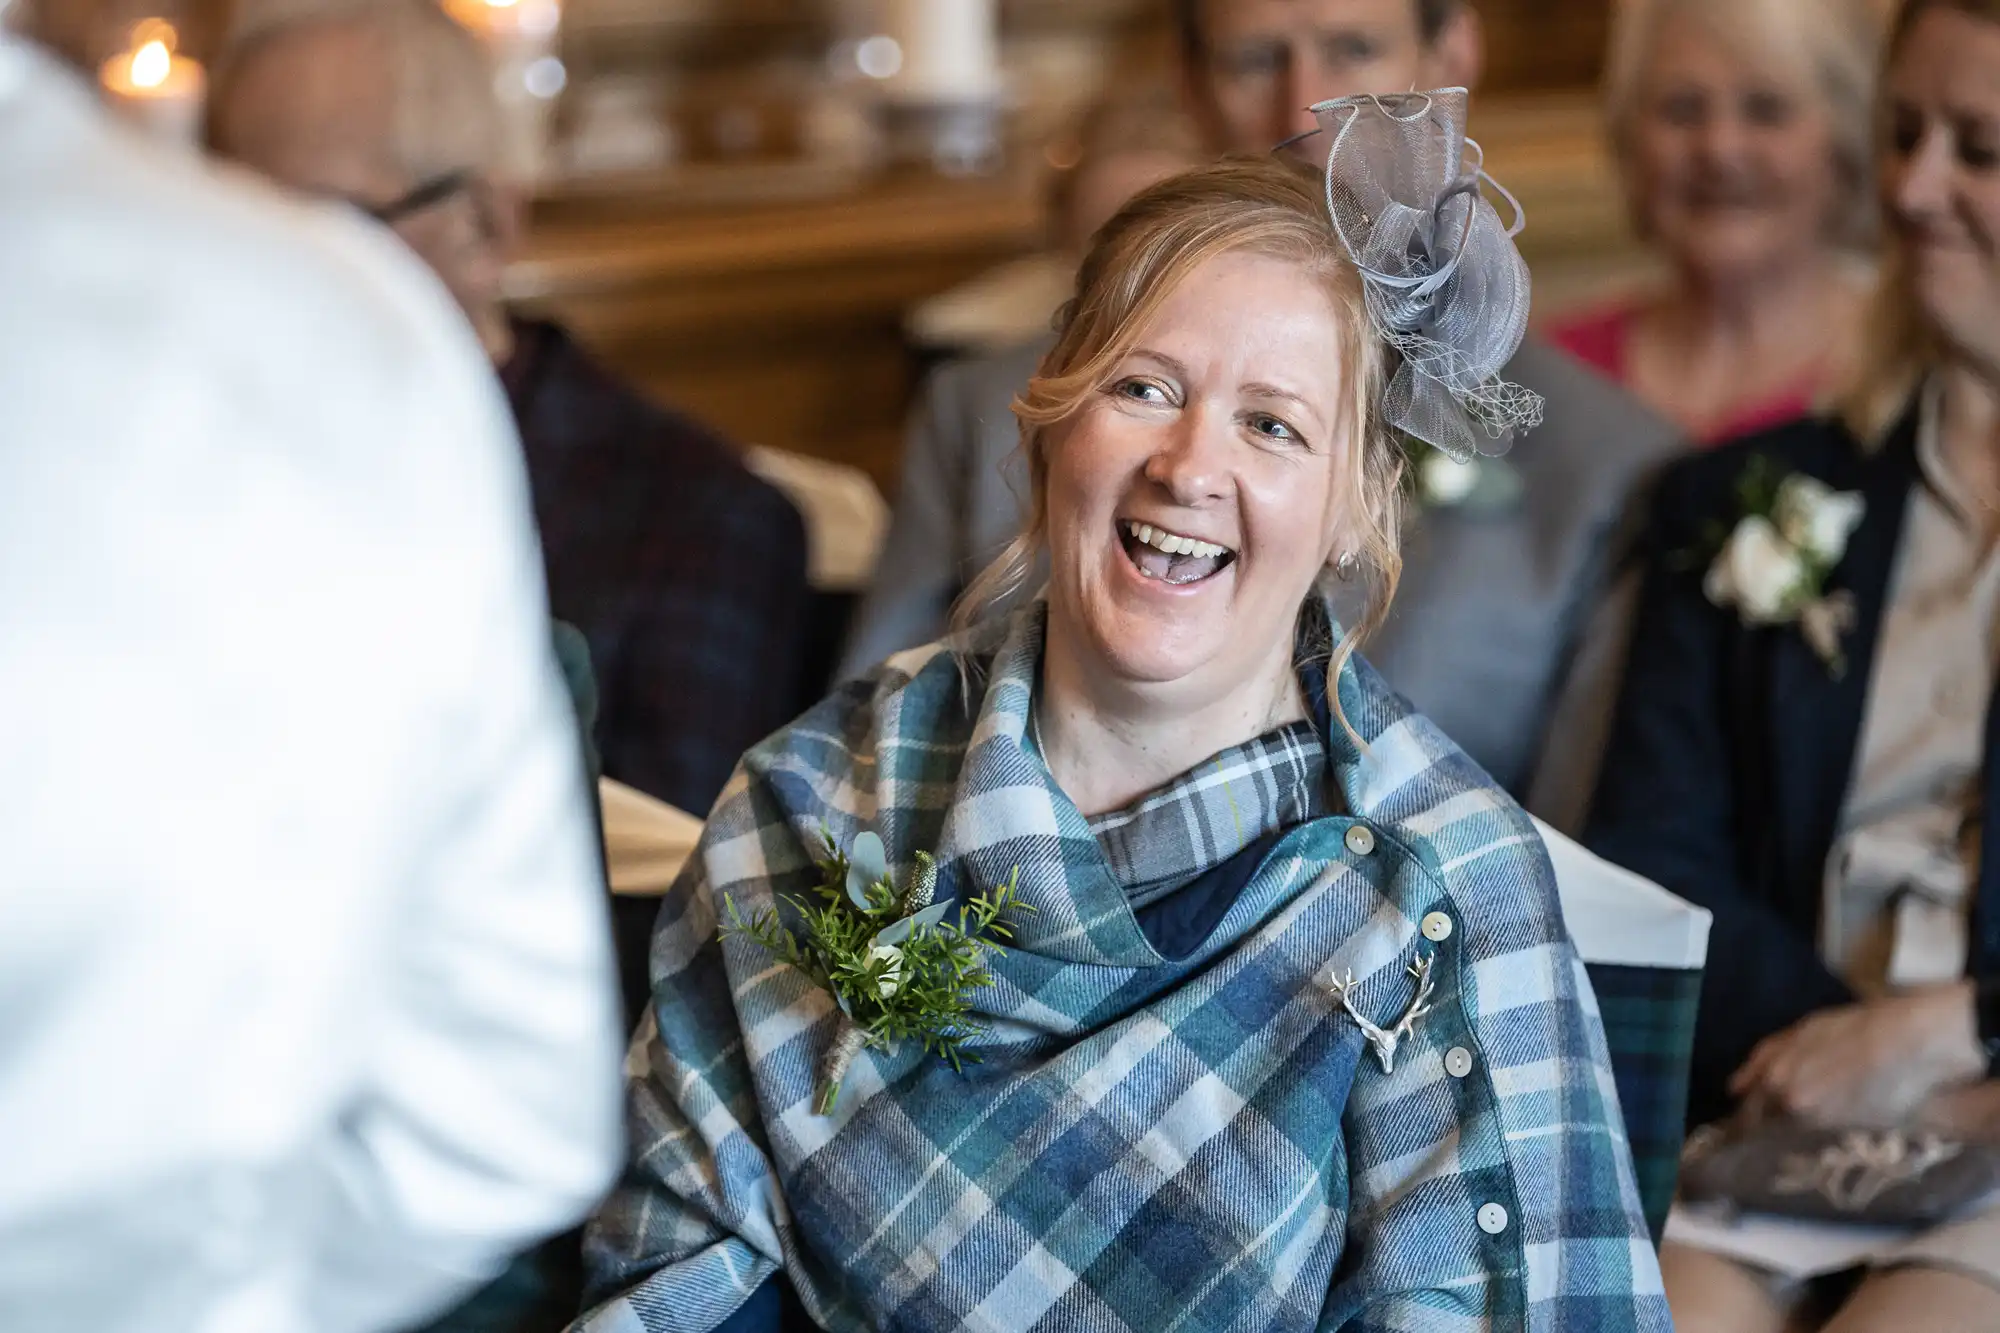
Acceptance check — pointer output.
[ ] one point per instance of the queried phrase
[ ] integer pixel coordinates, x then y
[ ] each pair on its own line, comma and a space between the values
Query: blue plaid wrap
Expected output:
1165, 1146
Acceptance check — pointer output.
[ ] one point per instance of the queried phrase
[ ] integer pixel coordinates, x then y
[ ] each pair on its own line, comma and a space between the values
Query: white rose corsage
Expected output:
1773, 566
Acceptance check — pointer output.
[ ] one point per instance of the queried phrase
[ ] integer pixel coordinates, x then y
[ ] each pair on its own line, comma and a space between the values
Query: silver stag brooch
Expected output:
1386, 1040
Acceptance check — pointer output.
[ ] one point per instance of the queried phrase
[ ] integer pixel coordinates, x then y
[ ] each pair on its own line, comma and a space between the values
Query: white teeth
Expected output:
1173, 543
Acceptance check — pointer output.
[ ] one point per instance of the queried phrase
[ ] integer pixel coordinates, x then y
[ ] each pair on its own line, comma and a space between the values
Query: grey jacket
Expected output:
1493, 605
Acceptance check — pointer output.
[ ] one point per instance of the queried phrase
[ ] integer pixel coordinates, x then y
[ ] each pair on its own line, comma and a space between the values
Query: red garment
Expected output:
1599, 338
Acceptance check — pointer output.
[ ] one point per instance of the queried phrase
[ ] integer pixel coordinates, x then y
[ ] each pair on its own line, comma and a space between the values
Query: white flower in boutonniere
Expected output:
1814, 517
897, 964
1773, 566
891, 979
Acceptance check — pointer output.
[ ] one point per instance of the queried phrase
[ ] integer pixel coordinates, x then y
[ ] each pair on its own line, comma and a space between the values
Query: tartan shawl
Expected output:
1148, 1145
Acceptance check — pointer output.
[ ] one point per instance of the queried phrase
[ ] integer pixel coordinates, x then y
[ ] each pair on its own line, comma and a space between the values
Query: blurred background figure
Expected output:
306, 1016
1742, 130
1126, 144
686, 573
1507, 559
1825, 795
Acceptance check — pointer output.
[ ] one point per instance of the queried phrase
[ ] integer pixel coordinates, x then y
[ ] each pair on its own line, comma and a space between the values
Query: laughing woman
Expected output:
1287, 1034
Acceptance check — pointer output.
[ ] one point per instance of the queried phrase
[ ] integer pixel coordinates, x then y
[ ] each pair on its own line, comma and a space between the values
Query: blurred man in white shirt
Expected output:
306, 1010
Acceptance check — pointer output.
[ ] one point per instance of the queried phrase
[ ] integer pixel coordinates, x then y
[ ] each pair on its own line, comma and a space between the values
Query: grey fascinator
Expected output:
1446, 288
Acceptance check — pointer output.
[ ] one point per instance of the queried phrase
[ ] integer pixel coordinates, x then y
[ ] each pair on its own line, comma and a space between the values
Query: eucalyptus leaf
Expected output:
867, 864
897, 932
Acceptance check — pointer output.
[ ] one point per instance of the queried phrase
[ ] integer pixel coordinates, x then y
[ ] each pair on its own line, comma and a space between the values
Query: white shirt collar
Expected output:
1935, 474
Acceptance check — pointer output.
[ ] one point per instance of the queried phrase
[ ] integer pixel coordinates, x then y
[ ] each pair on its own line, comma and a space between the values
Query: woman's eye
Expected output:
1767, 109
1906, 131
1684, 110
1143, 391
1271, 428
1977, 150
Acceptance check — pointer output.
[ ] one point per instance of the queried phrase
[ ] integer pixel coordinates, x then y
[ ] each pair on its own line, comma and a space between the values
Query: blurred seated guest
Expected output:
1200, 815
1742, 129
1506, 559
308, 1018
1133, 137
1811, 758
685, 572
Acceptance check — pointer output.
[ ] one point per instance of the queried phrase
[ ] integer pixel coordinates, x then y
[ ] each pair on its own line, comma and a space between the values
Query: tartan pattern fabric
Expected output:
1175, 1147
686, 572
1649, 1019
1212, 812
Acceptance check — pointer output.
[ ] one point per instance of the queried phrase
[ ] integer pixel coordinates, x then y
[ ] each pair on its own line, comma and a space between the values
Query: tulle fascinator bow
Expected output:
1446, 287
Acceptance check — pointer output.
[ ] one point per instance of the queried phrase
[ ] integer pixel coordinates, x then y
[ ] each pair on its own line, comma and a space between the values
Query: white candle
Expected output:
155, 86
520, 40
950, 50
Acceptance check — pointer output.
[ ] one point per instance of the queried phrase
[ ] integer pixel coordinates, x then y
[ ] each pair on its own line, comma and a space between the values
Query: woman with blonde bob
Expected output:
1741, 129
1288, 1033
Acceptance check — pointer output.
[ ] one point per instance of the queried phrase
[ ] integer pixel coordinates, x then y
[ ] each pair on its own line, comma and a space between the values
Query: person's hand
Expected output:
1968, 1112
1865, 1064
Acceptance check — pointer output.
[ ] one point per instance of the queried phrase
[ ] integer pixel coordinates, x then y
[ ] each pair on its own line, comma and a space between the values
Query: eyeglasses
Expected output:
427, 194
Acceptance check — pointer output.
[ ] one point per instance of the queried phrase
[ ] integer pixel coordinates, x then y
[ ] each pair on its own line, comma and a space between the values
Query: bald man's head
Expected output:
388, 105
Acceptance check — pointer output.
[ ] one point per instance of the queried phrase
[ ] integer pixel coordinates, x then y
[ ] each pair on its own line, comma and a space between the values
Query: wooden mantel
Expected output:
781, 323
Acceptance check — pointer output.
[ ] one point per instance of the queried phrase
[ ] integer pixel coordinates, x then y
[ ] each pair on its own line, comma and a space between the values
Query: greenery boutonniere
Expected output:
1773, 565
1479, 485
899, 968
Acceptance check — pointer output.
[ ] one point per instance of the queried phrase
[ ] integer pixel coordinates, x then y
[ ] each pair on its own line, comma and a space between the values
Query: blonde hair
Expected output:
445, 116
1901, 347
1262, 206
1829, 45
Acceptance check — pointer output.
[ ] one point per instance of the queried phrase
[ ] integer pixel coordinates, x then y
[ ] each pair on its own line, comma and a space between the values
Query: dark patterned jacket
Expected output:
686, 573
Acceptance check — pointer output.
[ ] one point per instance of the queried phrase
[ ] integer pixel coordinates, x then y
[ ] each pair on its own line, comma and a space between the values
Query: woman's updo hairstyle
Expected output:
1265, 206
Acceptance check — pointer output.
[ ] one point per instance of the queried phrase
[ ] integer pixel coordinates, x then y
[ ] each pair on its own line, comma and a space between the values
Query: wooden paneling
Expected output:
783, 325
1543, 44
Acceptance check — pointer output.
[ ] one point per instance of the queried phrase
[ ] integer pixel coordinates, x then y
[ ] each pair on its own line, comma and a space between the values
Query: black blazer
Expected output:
1733, 748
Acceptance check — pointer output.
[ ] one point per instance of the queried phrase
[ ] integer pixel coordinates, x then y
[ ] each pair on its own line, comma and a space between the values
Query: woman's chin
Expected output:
1137, 658
1149, 631
1732, 247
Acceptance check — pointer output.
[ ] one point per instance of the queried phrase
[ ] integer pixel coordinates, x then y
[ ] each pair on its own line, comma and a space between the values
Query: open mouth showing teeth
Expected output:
1170, 557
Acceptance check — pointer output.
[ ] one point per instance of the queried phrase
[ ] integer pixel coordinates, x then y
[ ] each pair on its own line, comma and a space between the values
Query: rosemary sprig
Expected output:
896, 964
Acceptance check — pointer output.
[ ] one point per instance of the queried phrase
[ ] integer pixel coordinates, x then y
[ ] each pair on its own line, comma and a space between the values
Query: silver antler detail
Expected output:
1385, 1040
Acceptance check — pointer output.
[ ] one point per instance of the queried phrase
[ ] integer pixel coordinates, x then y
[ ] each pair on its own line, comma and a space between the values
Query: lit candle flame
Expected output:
151, 64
